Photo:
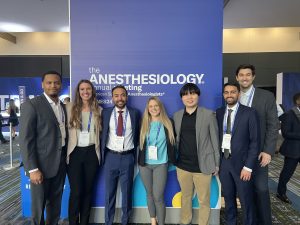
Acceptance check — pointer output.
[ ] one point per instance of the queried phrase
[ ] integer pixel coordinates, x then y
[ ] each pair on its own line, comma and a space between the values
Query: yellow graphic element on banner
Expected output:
176, 201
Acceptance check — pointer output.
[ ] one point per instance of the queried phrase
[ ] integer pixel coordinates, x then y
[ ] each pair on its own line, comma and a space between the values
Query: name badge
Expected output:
84, 138
152, 152
119, 142
226, 141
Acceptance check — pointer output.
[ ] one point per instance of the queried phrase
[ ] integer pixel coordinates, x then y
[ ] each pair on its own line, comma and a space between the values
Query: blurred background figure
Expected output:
2, 139
290, 148
66, 100
13, 118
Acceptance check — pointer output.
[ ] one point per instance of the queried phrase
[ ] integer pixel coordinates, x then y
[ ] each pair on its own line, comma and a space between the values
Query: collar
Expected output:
186, 113
124, 109
247, 93
234, 108
50, 100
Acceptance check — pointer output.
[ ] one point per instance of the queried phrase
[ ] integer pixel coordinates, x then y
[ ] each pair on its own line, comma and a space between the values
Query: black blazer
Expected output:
170, 151
290, 128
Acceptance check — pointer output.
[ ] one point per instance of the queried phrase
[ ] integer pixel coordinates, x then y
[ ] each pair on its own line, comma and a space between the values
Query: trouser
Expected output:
48, 194
261, 196
154, 178
118, 167
82, 169
232, 184
201, 182
287, 172
2, 139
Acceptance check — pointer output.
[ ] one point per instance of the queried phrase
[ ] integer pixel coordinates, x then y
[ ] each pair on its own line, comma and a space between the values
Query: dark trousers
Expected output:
232, 184
262, 196
287, 172
2, 139
82, 169
48, 194
118, 167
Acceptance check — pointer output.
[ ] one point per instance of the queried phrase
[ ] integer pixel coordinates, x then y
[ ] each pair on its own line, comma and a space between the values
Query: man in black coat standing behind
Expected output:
290, 148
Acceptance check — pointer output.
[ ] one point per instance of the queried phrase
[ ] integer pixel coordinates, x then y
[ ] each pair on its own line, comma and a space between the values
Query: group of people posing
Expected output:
236, 142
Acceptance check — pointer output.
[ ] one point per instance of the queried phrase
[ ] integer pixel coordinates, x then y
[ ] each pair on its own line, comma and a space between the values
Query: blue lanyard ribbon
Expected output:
251, 96
89, 122
156, 138
124, 121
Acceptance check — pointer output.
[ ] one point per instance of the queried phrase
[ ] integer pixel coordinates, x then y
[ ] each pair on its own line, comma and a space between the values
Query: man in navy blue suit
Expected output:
239, 135
119, 140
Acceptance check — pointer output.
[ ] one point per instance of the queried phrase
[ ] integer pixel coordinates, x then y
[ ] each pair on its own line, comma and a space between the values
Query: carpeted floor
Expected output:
10, 200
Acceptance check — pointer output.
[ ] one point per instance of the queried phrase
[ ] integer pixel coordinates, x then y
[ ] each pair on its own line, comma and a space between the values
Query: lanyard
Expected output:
225, 120
124, 121
60, 111
250, 97
89, 122
148, 136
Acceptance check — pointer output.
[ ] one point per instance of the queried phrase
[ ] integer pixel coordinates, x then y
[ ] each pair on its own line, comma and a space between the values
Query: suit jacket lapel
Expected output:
221, 123
51, 112
106, 122
199, 122
65, 113
237, 119
132, 120
255, 98
178, 124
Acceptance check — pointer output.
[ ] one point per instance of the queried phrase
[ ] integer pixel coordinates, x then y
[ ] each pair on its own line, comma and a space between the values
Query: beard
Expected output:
54, 95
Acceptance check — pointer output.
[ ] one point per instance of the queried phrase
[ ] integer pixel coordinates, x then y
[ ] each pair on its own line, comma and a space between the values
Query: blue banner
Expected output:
25, 87
290, 86
21, 88
152, 48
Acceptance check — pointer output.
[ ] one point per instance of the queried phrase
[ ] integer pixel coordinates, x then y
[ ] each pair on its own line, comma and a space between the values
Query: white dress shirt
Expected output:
244, 98
112, 134
60, 116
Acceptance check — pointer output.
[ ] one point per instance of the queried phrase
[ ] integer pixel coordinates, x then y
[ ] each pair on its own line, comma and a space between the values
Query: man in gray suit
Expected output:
43, 141
198, 159
264, 103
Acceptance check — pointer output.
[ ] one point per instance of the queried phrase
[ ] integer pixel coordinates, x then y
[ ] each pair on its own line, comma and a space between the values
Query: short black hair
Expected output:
245, 66
189, 88
232, 84
51, 72
119, 86
296, 97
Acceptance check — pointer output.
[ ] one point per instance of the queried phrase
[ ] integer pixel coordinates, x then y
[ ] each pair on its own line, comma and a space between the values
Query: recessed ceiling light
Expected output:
14, 27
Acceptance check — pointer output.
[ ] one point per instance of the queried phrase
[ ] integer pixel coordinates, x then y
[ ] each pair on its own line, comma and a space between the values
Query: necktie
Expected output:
228, 131
120, 124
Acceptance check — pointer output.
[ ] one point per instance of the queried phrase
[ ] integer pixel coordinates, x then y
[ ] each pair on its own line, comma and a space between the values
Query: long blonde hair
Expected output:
75, 119
163, 118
